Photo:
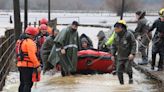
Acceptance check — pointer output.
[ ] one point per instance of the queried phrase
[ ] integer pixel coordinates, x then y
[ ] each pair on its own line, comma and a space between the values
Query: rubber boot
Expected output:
130, 78
63, 73
120, 77
160, 64
130, 81
153, 61
144, 61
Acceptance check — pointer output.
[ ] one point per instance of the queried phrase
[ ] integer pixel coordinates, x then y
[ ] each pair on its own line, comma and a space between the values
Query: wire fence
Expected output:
7, 44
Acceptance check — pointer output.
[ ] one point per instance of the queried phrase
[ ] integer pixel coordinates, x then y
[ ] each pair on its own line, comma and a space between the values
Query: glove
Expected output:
63, 51
131, 57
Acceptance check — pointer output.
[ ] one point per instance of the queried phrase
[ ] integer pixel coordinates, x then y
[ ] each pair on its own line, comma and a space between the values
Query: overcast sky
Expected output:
74, 4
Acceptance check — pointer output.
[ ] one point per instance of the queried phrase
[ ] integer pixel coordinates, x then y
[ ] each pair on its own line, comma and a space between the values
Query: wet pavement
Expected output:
146, 69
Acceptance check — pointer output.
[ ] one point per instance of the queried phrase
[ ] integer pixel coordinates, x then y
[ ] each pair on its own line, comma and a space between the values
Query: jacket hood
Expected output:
101, 34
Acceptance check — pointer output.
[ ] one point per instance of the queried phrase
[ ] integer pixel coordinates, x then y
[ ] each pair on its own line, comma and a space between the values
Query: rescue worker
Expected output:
46, 49
42, 35
41, 38
45, 21
27, 59
102, 42
67, 43
124, 45
158, 41
141, 33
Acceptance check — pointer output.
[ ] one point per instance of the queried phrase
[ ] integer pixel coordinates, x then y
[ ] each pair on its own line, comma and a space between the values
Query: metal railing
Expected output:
7, 44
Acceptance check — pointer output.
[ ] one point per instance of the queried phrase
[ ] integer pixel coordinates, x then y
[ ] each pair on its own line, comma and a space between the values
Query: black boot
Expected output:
152, 67
160, 64
130, 81
130, 74
153, 61
144, 61
63, 73
120, 77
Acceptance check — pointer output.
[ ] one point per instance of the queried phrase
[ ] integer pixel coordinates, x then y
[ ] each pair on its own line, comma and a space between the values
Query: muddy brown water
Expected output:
99, 83
91, 83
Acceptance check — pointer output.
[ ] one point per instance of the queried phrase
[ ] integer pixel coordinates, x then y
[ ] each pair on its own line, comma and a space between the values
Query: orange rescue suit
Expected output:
28, 47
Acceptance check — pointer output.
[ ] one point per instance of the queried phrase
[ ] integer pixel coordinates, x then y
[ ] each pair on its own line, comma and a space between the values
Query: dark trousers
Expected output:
25, 79
124, 66
161, 59
157, 50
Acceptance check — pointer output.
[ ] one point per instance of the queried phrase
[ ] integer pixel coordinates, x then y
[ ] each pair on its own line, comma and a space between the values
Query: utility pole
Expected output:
122, 10
17, 20
25, 13
49, 10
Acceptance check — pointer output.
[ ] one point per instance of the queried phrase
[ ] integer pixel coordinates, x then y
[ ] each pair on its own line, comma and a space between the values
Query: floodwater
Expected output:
86, 83
90, 83
98, 83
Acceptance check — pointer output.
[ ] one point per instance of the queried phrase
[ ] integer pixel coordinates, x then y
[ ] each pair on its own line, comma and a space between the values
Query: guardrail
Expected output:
7, 44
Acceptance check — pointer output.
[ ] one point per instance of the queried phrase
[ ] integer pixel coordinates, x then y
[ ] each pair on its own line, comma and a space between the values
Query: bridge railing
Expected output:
7, 44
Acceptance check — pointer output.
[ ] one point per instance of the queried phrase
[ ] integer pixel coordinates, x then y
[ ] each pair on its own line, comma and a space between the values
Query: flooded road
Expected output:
85, 83
98, 83
90, 83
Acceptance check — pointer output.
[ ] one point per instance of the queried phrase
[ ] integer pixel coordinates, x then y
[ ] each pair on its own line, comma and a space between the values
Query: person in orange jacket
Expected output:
27, 60
40, 39
45, 21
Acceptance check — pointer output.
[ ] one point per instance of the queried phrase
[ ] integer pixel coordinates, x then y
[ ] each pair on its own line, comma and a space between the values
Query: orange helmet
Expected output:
31, 31
43, 21
43, 27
